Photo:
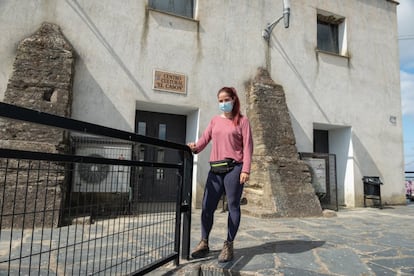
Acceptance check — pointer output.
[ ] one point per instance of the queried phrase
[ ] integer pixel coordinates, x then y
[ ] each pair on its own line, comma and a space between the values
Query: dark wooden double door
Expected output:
151, 183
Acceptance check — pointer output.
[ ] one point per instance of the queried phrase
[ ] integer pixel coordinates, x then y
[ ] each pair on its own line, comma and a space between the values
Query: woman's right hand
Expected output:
192, 146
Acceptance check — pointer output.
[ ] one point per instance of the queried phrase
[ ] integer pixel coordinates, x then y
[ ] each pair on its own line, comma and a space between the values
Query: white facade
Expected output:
354, 95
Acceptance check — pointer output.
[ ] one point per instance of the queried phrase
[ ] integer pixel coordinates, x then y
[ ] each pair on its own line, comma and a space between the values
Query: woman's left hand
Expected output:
244, 177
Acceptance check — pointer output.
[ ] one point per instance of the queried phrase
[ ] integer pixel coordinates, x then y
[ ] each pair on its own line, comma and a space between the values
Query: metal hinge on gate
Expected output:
185, 207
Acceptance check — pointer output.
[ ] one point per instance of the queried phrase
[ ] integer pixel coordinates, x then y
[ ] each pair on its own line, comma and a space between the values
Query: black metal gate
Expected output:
73, 213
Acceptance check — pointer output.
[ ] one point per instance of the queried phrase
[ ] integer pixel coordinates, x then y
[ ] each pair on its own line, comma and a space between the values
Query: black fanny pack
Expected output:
222, 166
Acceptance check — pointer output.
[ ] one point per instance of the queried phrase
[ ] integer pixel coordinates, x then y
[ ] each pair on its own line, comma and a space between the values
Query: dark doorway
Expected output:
320, 141
157, 184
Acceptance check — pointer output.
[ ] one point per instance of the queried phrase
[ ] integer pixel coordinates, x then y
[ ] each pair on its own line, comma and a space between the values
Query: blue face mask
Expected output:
226, 106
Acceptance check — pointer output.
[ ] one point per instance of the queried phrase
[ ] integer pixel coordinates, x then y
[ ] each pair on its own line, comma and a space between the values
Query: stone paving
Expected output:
360, 241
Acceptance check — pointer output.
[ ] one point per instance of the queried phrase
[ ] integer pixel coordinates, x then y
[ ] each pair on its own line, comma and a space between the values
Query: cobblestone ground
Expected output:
118, 246
361, 241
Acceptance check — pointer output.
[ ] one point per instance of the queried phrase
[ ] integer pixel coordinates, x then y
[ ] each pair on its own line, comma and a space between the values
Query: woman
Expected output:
233, 147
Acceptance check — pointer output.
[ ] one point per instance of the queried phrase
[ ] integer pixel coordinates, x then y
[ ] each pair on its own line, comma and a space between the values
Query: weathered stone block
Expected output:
280, 183
42, 79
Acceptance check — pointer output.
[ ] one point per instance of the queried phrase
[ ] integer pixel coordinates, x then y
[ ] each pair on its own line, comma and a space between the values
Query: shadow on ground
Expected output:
246, 257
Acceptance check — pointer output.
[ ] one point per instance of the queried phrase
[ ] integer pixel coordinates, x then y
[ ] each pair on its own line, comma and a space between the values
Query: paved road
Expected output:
361, 241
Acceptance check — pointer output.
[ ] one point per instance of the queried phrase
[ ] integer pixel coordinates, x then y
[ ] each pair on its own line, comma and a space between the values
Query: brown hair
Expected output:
236, 114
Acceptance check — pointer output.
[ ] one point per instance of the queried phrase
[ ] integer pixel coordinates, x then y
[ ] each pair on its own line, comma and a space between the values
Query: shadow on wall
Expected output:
77, 8
279, 47
361, 155
90, 102
303, 142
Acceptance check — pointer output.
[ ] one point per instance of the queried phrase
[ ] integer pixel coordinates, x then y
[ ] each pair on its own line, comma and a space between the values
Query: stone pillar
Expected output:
280, 184
41, 80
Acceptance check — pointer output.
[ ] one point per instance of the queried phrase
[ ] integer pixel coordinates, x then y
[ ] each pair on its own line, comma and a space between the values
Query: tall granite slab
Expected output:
280, 184
42, 79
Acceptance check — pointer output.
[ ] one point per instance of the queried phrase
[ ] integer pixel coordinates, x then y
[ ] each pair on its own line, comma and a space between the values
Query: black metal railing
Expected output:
86, 212
409, 185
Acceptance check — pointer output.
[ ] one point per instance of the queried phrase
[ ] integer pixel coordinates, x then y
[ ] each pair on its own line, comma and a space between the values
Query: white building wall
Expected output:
361, 92
120, 43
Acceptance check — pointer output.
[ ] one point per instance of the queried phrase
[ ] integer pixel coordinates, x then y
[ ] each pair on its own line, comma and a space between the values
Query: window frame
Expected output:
152, 5
335, 24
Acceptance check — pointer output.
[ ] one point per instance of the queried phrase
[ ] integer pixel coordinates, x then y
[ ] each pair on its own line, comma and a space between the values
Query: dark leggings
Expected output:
215, 186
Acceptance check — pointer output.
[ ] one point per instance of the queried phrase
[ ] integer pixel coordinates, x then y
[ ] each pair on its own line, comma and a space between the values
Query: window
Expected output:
162, 131
179, 7
331, 33
142, 128
328, 37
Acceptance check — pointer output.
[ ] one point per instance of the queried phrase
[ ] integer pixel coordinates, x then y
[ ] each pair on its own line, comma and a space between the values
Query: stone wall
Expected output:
280, 183
42, 78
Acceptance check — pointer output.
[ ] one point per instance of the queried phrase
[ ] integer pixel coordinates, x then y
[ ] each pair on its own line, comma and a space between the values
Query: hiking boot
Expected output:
243, 201
226, 253
201, 249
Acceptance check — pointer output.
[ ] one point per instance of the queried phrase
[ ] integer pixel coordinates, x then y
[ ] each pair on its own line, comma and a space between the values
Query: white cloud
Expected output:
407, 93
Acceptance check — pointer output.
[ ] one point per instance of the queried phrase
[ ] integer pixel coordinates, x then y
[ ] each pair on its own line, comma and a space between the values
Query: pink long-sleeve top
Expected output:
229, 141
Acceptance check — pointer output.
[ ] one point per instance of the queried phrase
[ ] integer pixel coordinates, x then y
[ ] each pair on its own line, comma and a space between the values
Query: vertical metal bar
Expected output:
58, 248
336, 185
95, 242
156, 228
81, 244
34, 218
12, 215
4, 196
379, 195
107, 241
141, 229
89, 240
164, 234
140, 232
179, 198
119, 215
74, 248
145, 225
24, 215
124, 232
113, 241
69, 215
102, 241
187, 184
44, 218
66, 250
130, 225
14, 210
134, 238
56, 171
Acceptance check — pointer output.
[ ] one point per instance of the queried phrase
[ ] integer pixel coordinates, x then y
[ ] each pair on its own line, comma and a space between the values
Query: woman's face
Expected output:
223, 97
225, 102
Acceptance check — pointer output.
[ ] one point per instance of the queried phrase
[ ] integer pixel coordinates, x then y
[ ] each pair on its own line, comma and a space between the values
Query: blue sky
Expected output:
405, 13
